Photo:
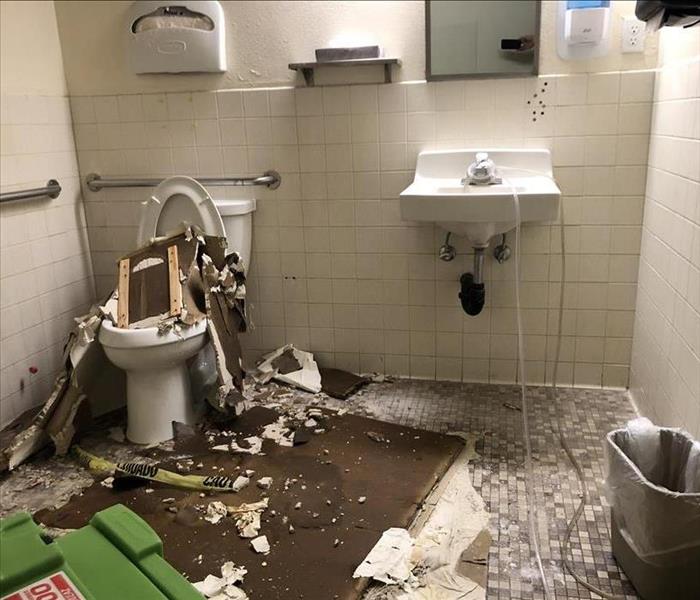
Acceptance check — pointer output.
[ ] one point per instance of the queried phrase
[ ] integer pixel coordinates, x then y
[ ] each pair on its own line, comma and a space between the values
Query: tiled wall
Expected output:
666, 352
335, 269
45, 272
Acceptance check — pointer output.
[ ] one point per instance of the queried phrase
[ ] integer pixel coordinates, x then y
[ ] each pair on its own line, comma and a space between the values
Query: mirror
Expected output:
473, 38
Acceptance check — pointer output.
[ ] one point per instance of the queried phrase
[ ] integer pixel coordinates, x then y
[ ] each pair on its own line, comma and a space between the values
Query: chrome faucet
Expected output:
482, 171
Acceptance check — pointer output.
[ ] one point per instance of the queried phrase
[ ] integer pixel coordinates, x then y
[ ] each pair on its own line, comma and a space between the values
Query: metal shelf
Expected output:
307, 68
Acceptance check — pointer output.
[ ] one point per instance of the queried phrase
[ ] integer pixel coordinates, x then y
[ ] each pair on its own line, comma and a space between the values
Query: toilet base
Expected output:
155, 398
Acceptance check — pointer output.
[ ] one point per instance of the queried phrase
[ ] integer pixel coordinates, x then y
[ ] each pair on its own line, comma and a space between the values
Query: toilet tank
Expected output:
237, 216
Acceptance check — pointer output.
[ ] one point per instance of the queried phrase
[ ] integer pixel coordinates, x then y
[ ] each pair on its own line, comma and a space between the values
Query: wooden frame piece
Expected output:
174, 282
123, 291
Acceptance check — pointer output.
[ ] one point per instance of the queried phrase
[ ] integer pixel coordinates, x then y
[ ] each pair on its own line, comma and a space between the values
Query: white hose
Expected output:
562, 438
529, 474
532, 513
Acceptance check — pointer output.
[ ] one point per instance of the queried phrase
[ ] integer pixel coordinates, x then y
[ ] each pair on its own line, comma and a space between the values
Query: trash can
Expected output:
653, 486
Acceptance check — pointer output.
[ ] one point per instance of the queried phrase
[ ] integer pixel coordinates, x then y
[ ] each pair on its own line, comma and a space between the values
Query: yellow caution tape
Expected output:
212, 483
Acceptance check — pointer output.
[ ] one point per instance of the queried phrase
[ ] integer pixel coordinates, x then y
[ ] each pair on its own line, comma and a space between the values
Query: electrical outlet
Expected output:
633, 33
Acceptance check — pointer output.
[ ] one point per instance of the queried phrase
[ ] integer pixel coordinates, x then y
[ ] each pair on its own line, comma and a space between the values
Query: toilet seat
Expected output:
175, 201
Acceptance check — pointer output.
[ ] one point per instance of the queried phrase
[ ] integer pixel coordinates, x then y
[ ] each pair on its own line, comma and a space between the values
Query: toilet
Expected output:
158, 381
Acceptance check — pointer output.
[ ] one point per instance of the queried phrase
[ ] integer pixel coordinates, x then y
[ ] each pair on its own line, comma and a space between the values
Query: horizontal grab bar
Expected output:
95, 182
52, 190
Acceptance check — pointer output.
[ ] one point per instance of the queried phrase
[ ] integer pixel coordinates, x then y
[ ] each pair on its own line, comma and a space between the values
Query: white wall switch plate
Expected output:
633, 34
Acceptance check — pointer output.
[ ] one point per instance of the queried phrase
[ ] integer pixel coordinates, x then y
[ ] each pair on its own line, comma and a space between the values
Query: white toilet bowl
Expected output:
157, 380
158, 383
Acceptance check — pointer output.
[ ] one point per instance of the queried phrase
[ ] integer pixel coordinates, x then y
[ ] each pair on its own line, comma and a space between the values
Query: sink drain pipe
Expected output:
473, 293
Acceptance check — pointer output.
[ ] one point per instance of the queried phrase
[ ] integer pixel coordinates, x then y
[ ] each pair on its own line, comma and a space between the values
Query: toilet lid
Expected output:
175, 201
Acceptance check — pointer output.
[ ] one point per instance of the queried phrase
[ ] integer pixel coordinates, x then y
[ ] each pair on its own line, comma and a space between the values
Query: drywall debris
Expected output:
215, 512
286, 362
307, 377
107, 482
247, 517
361, 499
390, 559
279, 433
260, 545
254, 445
210, 586
264, 483
240, 483
226, 586
233, 574
86, 371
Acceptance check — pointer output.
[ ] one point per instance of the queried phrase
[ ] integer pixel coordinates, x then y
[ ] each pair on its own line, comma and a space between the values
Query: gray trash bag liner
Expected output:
653, 486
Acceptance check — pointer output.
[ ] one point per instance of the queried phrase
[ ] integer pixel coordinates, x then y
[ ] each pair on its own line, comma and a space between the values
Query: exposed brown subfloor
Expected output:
337, 468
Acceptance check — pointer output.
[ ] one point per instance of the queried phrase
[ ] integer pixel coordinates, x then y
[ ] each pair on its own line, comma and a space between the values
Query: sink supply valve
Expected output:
447, 251
502, 252
482, 171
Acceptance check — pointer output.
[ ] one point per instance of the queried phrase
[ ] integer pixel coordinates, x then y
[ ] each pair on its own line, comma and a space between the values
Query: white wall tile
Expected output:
355, 282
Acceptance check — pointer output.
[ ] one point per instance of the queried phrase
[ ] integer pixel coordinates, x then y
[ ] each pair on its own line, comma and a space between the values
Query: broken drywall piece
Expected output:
458, 519
240, 483
248, 524
233, 574
215, 512
260, 544
390, 559
286, 362
279, 433
307, 377
264, 483
254, 446
224, 587
108, 310
248, 517
210, 586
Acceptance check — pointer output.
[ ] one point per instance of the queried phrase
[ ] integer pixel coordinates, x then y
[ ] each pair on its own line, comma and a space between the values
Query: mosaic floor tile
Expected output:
499, 474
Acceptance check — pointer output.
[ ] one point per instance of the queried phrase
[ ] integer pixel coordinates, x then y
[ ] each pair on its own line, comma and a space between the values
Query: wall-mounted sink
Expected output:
439, 193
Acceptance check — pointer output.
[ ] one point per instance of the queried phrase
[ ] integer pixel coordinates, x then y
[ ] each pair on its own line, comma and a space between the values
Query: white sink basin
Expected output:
481, 211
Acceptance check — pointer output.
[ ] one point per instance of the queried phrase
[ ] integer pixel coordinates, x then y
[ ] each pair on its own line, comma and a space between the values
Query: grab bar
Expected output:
52, 190
95, 182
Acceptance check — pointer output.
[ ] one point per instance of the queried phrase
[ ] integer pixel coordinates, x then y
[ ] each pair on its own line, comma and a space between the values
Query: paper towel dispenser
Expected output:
186, 36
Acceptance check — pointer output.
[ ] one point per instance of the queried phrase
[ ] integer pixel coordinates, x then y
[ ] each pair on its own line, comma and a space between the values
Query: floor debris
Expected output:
449, 553
260, 544
226, 586
327, 497
264, 483
306, 377
247, 517
390, 559
254, 445
215, 512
